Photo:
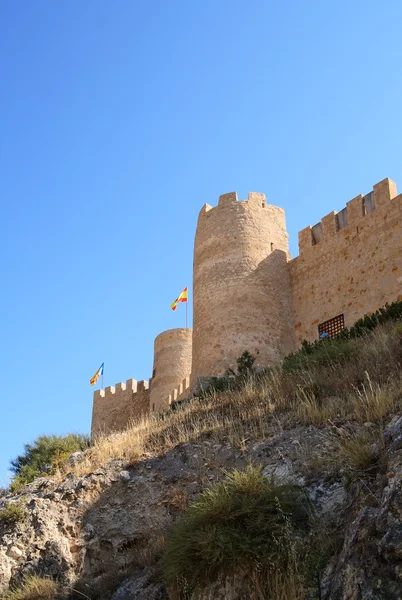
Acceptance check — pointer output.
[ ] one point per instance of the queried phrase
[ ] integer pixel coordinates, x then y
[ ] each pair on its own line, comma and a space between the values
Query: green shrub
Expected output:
323, 353
34, 588
337, 349
12, 513
232, 380
39, 456
242, 526
389, 312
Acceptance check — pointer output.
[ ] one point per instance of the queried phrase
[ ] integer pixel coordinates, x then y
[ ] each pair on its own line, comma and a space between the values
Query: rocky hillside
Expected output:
329, 423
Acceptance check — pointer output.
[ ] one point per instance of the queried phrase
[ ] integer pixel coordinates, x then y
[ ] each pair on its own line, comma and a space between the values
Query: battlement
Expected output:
231, 198
131, 386
352, 218
179, 393
115, 406
248, 294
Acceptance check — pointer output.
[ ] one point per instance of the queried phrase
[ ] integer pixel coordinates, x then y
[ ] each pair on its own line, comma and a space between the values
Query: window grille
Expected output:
332, 327
368, 203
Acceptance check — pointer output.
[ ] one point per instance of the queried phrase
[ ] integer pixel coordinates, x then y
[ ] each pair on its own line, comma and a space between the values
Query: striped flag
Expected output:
98, 373
181, 298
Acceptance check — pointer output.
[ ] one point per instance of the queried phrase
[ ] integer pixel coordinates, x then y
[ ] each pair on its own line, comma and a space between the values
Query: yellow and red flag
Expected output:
181, 298
99, 372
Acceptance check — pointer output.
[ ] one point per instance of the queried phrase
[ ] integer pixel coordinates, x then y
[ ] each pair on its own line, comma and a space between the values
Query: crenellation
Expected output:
324, 282
228, 198
354, 210
250, 295
142, 385
205, 209
116, 406
351, 218
329, 225
179, 393
305, 240
98, 394
384, 192
257, 198
131, 384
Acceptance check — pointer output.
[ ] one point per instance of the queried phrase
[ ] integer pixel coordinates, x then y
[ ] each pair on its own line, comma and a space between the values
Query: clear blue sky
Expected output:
118, 121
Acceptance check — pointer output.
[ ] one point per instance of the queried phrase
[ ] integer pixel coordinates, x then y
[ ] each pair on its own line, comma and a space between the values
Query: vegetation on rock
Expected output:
34, 588
328, 417
12, 512
44, 456
242, 527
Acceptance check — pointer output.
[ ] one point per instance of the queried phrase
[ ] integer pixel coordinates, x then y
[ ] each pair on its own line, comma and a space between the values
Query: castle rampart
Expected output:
115, 406
172, 364
241, 285
351, 263
249, 295
181, 392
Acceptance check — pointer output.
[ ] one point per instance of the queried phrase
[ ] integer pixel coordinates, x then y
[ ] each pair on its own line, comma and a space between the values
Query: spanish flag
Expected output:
95, 378
181, 298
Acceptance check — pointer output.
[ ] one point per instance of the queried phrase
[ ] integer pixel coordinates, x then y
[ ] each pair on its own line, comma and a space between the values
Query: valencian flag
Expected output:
181, 298
95, 378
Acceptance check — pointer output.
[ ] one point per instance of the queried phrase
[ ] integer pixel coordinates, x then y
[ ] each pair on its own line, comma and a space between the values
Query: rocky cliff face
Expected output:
102, 534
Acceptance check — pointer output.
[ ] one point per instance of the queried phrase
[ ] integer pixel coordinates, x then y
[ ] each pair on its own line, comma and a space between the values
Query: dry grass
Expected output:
370, 402
357, 452
367, 387
34, 588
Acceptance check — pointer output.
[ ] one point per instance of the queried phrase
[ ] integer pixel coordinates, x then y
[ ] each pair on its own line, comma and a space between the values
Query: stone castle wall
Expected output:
172, 364
241, 285
249, 295
350, 264
115, 406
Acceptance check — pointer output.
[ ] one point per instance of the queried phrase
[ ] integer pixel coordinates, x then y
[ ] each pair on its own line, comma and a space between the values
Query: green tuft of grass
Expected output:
34, 588
244, 525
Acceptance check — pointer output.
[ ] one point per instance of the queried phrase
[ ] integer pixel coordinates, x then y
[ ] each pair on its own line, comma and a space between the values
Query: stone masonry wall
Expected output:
354, 269
115, 406
248, 295
181, 392
241, 285
172, 364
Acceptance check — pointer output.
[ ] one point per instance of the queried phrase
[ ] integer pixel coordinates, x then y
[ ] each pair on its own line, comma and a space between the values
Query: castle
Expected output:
248, 294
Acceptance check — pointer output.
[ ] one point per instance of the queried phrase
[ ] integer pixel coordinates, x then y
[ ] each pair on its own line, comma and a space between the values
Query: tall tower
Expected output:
241, 285
172, 364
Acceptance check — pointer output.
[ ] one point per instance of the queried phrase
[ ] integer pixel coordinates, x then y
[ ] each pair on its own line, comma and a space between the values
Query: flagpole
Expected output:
186, 312
102, 376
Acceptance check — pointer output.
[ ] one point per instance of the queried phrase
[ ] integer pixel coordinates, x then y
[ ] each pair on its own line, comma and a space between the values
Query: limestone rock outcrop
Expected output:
105, 529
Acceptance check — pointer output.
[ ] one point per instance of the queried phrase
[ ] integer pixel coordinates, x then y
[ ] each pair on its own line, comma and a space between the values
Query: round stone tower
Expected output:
241, 285
172, 364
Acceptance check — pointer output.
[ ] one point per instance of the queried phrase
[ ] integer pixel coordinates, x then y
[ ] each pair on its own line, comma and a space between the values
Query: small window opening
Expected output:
272, 246
153, 406
263, 204
332, 327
